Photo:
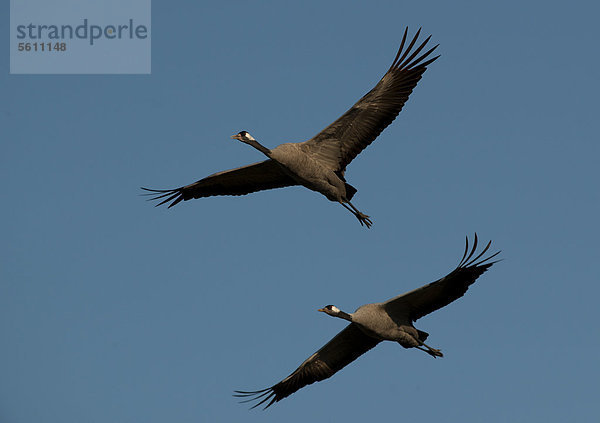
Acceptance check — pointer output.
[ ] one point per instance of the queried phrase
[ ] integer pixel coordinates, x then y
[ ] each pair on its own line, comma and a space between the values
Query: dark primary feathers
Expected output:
352, 342
339, 143
431, 297
342, 350
240, 181
334, 147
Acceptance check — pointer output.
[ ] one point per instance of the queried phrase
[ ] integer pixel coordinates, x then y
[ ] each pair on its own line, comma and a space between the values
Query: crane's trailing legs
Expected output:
362, 218
431, 351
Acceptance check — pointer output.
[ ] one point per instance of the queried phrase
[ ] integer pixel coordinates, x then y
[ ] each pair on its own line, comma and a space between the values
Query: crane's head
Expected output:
331, 310
243, 136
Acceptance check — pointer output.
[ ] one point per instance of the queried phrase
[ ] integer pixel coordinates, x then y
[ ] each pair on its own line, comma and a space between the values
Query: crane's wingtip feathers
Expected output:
175, 195
263, 395
469, 261
248, 393
430, 61
401, 62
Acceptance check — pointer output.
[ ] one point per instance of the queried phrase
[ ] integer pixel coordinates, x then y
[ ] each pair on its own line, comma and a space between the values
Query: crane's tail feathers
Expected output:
350, 191
267, 393
173, 195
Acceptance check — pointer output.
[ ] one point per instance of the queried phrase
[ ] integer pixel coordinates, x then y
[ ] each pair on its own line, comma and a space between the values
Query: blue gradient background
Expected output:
114, 311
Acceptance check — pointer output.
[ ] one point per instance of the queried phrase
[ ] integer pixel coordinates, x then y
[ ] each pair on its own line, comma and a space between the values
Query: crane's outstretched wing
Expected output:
243, 180
422, 301
343, 349
339, 143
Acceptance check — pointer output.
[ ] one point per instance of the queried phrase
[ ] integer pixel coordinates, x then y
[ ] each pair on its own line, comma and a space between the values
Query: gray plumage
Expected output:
319, 164
391, 320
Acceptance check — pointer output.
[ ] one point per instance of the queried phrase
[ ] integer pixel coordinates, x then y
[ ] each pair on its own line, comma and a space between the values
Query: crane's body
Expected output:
375, 322
307, 171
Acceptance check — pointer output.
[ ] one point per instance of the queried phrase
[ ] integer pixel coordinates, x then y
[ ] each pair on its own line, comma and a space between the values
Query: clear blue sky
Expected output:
114, 311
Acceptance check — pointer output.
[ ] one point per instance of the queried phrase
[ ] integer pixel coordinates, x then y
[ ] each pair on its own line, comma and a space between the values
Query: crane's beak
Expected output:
321, 309
235, 137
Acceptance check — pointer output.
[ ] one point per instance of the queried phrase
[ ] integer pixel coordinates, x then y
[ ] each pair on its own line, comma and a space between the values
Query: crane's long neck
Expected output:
259, 147
343, 315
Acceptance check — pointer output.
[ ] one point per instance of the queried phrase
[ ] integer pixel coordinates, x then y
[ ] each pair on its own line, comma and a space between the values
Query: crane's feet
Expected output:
431, 351
434, 353
363, 219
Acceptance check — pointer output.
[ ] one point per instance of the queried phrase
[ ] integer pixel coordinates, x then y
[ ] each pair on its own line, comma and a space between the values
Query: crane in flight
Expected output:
319, 163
